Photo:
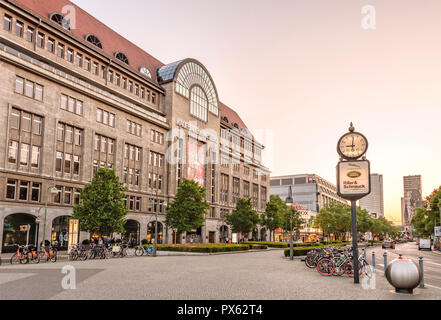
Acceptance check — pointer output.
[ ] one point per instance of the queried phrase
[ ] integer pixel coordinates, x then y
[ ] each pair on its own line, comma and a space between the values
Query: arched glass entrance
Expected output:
60, 232
12, 236
151, 232
132, 234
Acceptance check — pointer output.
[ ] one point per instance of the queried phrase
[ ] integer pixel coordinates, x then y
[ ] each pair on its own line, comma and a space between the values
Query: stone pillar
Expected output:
143, 230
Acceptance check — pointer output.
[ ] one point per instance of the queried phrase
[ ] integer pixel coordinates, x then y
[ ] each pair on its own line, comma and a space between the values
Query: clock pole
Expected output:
353, 182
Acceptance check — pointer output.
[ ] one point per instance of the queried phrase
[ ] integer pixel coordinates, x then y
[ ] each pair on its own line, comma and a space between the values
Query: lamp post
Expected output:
53, 190
290, 200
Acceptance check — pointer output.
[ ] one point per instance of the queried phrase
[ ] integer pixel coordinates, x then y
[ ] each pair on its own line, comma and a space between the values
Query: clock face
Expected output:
352, 145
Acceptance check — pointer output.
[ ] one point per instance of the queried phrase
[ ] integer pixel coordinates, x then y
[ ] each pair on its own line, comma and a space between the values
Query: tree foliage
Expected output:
243, 219
297, 221
336, 218
425, 220
187, 210
275, 210
102, 209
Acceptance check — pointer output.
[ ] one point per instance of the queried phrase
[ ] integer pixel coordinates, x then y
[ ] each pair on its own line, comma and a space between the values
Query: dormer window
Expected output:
235, 125
225, 119
93, 39
146, 72
122, 57
61, 20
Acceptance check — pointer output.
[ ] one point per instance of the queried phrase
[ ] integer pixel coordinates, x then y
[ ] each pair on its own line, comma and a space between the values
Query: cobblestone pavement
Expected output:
263, 275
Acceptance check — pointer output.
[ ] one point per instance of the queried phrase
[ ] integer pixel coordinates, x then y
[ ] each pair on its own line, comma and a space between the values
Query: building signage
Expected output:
437, 231
353, 179
192, 127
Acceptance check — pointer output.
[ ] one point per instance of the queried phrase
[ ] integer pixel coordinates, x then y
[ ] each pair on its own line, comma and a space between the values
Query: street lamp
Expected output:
290, 200
53, 190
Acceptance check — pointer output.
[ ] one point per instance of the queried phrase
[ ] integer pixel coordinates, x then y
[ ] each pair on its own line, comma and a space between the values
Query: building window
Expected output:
40, 40
134, 128
7, 22
30, 34
156, 136
19, 28
35, 193
71, 104
87, 64
79, 60
94, 40
60, 50
35, 159
154, 98
51, 45
13, 152
23, 191
28, 88
11, 188
70, 55
105, 117
96, 67
198, 103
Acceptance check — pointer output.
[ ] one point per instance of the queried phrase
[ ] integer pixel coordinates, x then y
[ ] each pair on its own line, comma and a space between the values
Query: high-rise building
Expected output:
76, 96
374, 202
412, 198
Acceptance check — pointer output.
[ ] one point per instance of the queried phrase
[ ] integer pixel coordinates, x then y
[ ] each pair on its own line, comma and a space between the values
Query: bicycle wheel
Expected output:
139, 251
310, 262
14, 259
35, 258
53, 256
349, 269
326, 267
367, 269
83, 255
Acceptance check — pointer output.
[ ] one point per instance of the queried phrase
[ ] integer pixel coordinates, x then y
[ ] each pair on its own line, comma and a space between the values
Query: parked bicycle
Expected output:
25, 254
140, 251
118, 250
49, 252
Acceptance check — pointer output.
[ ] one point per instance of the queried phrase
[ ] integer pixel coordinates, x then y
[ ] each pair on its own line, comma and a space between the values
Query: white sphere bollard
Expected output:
404, 275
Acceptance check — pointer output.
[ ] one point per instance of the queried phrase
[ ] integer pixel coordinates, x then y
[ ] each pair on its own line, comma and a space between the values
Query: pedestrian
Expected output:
61, 238
100, 241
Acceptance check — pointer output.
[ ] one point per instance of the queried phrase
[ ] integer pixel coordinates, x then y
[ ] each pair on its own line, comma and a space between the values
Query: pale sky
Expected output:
304, 69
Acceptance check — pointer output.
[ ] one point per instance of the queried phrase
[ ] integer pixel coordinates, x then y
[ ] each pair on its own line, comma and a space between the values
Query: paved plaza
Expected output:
265, 275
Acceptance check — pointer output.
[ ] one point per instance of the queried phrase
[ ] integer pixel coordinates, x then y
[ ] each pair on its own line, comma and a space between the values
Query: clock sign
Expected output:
352, 145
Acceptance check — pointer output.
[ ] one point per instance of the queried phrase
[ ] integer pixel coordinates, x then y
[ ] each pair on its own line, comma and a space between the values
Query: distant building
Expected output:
374, 202
309, 190
411, 200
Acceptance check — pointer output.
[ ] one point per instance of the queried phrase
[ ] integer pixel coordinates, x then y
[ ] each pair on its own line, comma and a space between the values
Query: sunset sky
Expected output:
303, 70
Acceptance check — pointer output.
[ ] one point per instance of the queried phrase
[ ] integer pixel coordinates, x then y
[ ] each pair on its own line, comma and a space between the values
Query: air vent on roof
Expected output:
93, 39
122, 57
60, 19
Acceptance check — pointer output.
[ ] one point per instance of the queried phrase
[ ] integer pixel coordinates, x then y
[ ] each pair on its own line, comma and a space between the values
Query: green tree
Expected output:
424, 219
102, 210
334, 218
243, 219
187, 210
297, 221
272, 219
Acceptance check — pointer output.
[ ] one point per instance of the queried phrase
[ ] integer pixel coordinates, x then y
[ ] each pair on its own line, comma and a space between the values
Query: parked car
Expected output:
425, 243
388, 244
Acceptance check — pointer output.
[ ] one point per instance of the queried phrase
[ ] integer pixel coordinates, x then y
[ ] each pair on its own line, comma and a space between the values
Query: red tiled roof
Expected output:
87, 24
233, 116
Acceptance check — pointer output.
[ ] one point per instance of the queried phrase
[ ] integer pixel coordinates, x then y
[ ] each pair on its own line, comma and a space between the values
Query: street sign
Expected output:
24, 228
437, 232
353, 179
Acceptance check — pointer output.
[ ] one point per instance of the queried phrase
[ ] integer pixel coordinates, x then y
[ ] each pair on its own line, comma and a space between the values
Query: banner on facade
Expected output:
437, 231
73, 233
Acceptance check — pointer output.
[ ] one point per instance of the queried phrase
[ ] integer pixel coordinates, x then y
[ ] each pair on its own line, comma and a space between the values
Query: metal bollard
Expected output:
385, 262
373, 260
422, 270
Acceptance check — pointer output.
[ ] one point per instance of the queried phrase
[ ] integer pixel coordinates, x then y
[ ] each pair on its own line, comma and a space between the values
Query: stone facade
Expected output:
59, 121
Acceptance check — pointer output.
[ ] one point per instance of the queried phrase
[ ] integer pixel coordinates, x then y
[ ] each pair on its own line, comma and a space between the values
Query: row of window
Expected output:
105, 117
134, 128
23, 190
69, 134
156, 136
26, 122
23, 154
29, 88
86, 63
71, 104
67, 163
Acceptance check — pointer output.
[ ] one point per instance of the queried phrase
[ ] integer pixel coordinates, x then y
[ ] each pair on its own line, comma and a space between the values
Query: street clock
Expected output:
353, 145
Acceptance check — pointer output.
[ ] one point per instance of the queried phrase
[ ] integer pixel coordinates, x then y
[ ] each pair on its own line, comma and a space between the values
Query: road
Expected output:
431, 261
262, 275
